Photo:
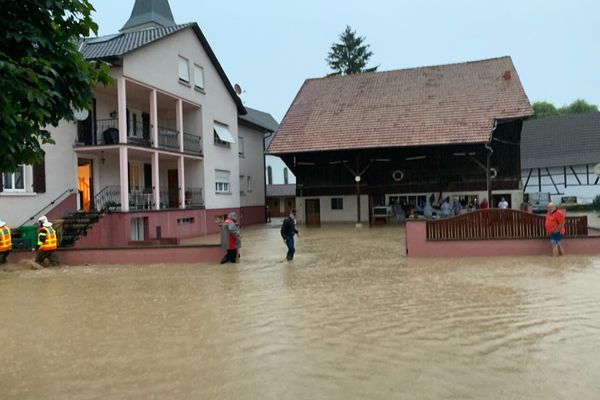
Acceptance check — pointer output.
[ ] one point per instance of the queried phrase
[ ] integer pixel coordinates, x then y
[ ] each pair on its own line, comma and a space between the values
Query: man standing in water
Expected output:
288, 230
47, 243
230, 238
555, 227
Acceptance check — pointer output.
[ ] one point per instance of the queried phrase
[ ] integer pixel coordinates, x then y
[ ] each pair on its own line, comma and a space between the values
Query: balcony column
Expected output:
122, 108
155, 181
180, 123
153, 118
181, 180
124, 178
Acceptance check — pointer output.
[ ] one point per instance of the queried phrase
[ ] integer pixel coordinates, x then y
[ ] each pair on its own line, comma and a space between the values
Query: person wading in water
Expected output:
230, 238
288, 230
555, 227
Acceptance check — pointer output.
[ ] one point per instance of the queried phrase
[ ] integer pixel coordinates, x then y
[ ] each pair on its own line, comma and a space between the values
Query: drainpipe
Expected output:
488, 147
265, 137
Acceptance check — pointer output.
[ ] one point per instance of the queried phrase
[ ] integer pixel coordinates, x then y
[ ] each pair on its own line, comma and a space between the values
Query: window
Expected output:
285, 176
242, 179
269, 175
249, 184
14, 181
185, 221
222, 135
241, 146
337, 204
198, 77
222, 181
184, 70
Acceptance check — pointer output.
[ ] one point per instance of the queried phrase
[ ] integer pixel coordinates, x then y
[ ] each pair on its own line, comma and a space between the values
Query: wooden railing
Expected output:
498, 224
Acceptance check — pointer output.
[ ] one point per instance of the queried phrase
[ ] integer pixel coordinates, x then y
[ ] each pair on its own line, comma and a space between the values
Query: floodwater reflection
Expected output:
349, 318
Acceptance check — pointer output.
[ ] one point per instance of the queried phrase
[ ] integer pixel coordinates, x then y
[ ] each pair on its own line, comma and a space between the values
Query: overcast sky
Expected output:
270, 47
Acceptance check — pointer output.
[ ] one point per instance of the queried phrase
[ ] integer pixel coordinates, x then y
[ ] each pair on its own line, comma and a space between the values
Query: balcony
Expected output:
109, 198
105, 132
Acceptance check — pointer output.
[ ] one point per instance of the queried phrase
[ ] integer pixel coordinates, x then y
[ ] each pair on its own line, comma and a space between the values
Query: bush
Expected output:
596, 203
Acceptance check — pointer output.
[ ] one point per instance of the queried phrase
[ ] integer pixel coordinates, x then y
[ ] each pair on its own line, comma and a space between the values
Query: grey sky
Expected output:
270, 47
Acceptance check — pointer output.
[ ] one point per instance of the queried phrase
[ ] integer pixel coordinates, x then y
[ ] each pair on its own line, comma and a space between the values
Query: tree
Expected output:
350, 56
543, 109
43, 76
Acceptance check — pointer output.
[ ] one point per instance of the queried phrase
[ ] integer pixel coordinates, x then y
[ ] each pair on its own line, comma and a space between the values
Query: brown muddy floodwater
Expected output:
350, 318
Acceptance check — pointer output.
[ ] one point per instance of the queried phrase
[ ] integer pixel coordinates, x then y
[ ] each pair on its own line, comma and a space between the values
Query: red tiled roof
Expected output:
445, 104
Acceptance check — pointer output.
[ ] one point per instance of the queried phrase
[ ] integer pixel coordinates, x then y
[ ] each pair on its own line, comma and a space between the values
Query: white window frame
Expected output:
183, 68
222, 181
242, 179
12, 178
249, 183
240, 146
198, 79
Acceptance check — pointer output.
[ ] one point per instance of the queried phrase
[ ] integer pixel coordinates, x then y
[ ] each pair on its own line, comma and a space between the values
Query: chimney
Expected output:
507, 75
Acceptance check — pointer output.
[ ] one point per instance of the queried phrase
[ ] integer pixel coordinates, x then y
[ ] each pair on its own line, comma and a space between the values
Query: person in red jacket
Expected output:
555, 227
230, 238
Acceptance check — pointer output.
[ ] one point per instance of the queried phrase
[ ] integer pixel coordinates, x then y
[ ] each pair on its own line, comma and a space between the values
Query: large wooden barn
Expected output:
360, 141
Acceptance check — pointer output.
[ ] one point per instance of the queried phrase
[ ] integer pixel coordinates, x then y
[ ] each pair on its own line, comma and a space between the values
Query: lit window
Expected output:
14, 181
184, 70
222, 181
198, 77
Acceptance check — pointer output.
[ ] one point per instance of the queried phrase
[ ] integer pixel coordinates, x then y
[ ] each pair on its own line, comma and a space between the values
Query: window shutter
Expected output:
39, 177
1, 182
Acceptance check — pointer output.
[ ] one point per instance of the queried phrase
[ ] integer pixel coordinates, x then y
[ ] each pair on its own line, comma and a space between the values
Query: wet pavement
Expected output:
349, 318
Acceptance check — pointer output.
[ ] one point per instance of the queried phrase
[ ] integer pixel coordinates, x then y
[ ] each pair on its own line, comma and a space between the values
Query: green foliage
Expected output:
42, 73
350, 56
544, 109
596, 203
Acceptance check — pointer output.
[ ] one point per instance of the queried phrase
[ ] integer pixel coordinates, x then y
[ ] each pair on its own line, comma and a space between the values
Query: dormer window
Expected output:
184, 70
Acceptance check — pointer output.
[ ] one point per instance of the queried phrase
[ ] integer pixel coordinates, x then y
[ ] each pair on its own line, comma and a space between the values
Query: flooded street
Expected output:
349, 318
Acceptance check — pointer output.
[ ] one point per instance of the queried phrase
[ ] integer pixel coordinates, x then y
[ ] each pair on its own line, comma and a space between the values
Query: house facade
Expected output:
162, 149
561, 156
358, 143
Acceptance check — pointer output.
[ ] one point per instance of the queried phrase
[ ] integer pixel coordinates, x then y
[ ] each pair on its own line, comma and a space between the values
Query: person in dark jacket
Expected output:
288, 230
230, 238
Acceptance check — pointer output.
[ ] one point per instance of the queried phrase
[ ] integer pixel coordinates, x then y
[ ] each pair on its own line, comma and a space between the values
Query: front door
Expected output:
85, 184
313, 212
173, 179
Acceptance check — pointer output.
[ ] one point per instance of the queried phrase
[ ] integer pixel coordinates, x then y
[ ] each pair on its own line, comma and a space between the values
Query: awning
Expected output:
224, 134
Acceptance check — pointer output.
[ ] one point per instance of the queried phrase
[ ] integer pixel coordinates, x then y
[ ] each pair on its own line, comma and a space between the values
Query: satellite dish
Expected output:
597, 169
81, 115
238, 89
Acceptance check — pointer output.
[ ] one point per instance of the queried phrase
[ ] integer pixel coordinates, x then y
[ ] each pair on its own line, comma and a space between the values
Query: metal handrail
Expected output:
45, 207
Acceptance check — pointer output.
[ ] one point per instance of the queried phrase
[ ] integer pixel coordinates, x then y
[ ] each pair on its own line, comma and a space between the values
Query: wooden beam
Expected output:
528, 177
552, 180
574, 173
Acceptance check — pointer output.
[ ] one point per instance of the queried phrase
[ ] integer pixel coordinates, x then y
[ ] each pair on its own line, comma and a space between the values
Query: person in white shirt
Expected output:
503, 204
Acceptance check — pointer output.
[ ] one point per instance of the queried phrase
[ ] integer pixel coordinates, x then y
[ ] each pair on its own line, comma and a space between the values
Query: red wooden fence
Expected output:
498, 224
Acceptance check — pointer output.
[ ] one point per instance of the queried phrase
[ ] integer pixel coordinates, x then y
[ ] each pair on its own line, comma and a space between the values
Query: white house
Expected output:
161, 148
559, 156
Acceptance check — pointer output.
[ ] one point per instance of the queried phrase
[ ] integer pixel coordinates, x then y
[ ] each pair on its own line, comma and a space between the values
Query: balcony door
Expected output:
173, 182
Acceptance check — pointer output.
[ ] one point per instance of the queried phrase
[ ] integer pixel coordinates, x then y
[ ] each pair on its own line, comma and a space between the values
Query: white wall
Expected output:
277, 166
347, 214
61, 174
584, 192
216, 103
251, 164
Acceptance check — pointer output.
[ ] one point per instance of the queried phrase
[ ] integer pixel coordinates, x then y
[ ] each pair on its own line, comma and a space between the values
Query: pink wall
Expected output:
114, 230
252, 215
68, 204
417, 245
131, 255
